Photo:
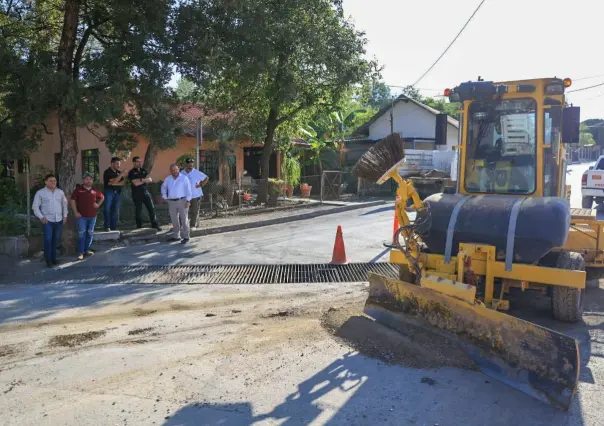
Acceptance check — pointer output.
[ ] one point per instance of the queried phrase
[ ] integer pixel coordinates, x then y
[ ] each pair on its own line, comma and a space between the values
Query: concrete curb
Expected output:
259, 224
278, 220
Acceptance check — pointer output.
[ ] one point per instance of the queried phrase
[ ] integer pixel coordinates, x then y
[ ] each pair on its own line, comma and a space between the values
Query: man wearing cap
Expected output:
197, 180
139, 178
176, 189
85, 202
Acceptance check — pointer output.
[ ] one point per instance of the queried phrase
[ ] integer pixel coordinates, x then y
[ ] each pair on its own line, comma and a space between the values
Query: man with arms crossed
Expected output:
139, 178
113, 181
50, 206
176, 189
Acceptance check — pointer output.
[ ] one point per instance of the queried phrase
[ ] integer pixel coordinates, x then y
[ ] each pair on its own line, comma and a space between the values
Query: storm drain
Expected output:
221, 274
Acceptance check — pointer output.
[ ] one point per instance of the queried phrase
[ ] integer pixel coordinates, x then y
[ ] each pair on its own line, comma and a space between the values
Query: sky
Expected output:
506, 40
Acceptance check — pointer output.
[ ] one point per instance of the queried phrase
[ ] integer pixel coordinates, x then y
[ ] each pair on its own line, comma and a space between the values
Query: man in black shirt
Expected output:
139, 178
113, 182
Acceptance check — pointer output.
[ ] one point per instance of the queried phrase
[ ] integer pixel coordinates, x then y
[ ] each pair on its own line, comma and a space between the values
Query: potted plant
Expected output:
275, 189
305, 190
290, 172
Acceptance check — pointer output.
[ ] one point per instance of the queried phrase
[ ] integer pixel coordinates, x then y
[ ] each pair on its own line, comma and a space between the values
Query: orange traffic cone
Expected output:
339, 251
395, 227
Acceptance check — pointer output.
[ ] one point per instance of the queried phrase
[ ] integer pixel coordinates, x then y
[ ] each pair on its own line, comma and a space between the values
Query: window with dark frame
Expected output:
208, 164
90, 163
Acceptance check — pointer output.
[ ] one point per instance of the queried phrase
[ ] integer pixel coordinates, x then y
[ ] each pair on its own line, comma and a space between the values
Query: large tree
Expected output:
269, 60
105, 62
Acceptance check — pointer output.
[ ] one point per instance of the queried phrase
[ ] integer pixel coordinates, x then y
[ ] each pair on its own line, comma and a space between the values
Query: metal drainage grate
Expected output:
220, 274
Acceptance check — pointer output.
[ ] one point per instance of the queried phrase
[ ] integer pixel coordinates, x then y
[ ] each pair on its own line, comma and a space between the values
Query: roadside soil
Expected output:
148, 361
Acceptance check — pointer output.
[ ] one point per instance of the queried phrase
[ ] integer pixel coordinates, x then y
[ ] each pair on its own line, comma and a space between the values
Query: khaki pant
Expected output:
194, 212
179, 214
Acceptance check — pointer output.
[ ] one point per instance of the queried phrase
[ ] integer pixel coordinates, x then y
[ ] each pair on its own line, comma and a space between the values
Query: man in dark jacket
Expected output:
139, 178
113, 180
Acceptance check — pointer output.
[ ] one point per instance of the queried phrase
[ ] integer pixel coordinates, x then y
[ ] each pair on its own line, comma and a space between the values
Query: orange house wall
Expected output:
45, 154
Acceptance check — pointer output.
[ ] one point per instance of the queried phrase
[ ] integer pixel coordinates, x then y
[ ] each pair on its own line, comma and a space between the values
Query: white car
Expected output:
592, 184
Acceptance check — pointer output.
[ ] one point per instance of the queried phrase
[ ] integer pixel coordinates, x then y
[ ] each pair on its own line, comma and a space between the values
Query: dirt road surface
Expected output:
239, 355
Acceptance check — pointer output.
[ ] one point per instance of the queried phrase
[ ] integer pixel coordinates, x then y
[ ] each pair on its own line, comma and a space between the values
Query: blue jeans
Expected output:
112, 207
52, 237
85, 233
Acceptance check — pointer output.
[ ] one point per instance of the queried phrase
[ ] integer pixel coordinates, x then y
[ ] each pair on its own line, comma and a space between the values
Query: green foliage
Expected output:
185, 89
275, 187
291, 170
120, 58
585, 137
10, 195
376, 95
11, 224
271, 61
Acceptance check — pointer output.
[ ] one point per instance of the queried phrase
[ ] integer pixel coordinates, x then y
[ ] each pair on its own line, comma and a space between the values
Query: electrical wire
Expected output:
585, 88
450, 44
588, 78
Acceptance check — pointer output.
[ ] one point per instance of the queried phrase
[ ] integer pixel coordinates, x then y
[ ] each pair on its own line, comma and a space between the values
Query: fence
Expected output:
338, 185
418, 160
583, 154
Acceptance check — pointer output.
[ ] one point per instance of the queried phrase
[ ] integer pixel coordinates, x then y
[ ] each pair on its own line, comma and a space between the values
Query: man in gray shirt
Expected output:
50, 206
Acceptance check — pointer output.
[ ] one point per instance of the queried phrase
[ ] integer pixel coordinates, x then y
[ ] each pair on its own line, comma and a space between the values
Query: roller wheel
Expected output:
587, 202
567, 302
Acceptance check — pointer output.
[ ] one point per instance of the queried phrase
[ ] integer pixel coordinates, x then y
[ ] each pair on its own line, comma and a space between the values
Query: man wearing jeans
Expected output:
176, 189
50, 206
113, 181
85, 201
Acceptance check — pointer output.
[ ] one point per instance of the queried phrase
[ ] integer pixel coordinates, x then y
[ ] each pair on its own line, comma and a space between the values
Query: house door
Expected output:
252, 158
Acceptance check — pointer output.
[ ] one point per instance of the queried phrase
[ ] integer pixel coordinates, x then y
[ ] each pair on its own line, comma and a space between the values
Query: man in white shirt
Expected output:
197, 180
176, 189
50, 206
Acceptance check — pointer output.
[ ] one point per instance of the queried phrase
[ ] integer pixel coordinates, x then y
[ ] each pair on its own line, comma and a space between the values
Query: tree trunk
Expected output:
271, 126
67, 116
149, 159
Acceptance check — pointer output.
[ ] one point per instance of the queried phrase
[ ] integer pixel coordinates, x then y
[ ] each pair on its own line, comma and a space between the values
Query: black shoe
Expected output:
49, 264
55, 262
171, 240
156, 227
184, 241
107, 229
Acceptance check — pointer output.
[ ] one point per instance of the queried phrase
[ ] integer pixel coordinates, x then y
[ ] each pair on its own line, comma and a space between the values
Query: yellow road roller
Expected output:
506, 227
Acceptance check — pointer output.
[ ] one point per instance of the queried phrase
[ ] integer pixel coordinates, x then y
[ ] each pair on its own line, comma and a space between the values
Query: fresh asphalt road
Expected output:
305, 241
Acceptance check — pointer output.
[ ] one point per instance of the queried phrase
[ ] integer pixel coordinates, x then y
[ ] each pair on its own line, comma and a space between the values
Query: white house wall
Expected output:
410, 121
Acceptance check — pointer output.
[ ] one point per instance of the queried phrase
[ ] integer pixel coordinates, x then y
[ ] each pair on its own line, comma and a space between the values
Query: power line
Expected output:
585, 88
588, 78
451, 44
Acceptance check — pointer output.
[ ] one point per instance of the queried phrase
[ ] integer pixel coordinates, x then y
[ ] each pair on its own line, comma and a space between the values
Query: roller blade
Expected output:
533, 359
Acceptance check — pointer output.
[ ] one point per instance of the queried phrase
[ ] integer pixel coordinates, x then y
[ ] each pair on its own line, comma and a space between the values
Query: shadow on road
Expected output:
353, 390
378, 210
35, 302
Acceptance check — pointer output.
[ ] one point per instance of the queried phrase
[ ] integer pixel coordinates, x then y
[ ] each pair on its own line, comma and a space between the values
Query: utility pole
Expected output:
199, 140
392, 115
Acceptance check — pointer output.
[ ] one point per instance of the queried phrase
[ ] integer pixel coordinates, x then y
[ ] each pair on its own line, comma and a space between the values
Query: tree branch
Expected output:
48, 132
80, 52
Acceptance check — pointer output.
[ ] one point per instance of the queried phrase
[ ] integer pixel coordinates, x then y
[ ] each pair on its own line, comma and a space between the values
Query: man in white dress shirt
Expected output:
50, 206
197, 179
176, 189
